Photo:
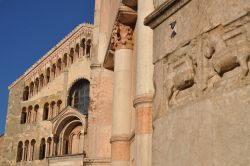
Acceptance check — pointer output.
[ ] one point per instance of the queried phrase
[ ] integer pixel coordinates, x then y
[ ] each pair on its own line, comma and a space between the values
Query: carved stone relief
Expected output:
180, 71
213, 62
225, 49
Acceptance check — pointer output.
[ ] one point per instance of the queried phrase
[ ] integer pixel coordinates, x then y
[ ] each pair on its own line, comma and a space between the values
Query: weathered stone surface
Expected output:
201, 78
210, 131
196, 17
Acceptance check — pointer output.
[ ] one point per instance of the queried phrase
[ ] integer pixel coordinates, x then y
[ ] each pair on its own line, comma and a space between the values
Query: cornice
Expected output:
163, 12
83, 26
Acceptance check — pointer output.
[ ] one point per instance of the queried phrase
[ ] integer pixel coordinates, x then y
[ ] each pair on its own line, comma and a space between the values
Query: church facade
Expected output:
152, 82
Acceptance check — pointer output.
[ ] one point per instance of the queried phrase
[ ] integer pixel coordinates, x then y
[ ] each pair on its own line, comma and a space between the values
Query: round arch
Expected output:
78, 95
64, 131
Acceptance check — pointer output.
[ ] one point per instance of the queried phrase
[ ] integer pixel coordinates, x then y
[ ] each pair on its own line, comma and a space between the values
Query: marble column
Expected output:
121, 117
144, 85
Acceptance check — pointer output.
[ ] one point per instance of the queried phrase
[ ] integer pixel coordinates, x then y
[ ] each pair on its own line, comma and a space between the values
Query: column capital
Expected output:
122, 36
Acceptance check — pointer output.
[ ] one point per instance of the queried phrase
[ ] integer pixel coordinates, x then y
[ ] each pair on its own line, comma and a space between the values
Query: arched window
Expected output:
32, 150
65, 60
26, 150
83, 47
24, 116
79, 96
29, 114
46, 111
88, 48
59, 65
31, 88
59, 104
52, 109
41, 80
53, 70
19, 152
26, 93
36, 108
42, 149
36, 85
49, 144
71, 56
77, 53
48, 75
56, 144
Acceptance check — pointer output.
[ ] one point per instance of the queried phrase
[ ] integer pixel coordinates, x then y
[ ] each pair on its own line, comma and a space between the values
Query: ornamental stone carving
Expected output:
212, 63
122, 36
180, 71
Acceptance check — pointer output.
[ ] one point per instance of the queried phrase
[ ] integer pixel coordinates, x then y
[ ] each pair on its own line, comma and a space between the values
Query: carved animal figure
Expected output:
182, 77
226, 58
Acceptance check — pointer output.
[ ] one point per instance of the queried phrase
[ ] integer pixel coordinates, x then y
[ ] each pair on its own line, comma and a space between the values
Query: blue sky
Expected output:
28, 29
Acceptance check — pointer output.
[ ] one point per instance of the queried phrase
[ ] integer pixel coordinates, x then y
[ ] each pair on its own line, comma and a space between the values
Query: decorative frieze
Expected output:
82, 31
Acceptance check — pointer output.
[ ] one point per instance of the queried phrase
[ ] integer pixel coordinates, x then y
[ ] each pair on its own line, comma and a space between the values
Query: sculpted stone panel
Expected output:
179, 71
213, 62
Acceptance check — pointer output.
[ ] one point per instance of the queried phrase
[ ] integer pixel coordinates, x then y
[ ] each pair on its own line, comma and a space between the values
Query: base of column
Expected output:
120, 149
143, 107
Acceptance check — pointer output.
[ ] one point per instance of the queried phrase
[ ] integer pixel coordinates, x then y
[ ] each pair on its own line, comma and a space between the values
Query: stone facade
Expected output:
168, 85
59, 108
201, 106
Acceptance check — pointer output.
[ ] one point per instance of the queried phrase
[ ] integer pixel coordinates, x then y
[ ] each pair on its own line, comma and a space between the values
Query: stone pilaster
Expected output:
122, 40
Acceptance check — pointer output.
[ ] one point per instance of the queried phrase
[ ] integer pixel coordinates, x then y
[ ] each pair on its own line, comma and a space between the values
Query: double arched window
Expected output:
79, 96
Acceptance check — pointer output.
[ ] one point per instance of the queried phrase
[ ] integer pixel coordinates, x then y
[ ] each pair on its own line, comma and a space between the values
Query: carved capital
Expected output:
122, 36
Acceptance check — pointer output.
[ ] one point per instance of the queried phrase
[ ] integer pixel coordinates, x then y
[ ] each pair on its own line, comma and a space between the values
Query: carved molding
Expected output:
122, 138
122, 36
143, 99
97, 160
82, 31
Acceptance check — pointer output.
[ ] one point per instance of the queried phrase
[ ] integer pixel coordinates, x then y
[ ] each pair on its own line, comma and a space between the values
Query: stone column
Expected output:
23, 152
81, 142
144, 85
28, 152
46, 149
52, 146
123, 42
